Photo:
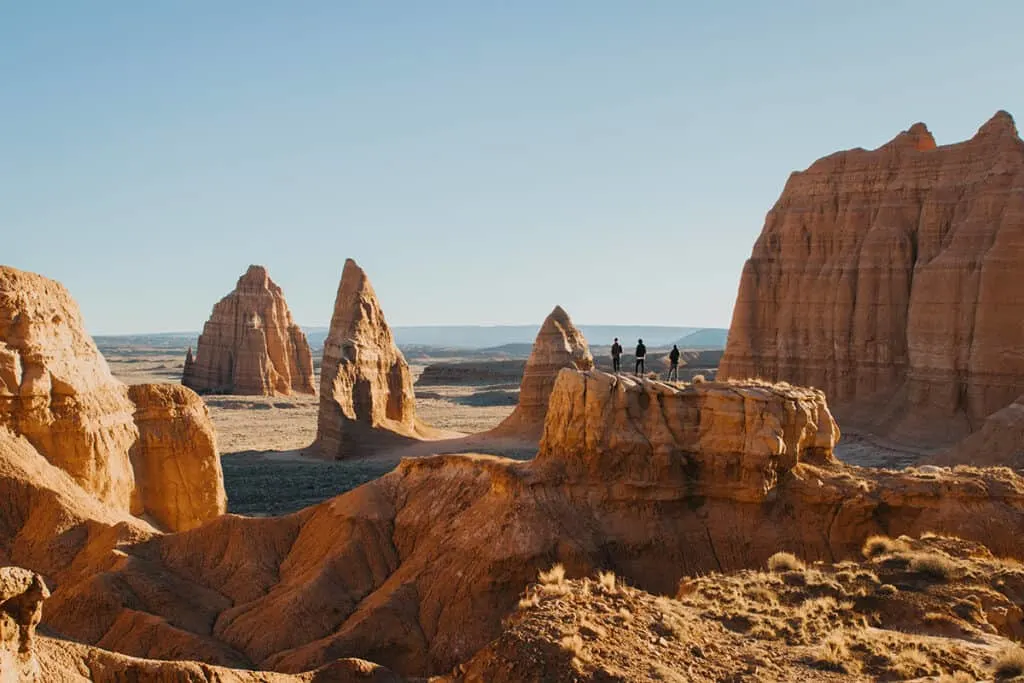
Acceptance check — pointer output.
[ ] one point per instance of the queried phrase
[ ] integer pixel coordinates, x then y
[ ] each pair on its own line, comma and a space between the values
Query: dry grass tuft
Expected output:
834, 655
606, 580
933, 565
574, 645
555, 575
887, 589
698, 379
785, 562
877, 546
1009, 665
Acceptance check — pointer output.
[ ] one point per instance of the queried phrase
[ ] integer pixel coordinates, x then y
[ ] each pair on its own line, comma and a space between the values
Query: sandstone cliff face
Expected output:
58, 394
890, 278
56, 389
649, 481
250, 345
366, 394
999, 442
180, 482
559, 345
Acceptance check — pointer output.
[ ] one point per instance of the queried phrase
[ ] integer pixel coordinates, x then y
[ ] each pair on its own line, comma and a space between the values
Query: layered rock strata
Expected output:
559, 345
890, 279
250, 345
148, 450
650, 481
366, 392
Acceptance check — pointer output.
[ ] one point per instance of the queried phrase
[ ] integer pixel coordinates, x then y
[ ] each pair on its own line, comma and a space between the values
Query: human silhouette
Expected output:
616, 355
673, 364
641, 353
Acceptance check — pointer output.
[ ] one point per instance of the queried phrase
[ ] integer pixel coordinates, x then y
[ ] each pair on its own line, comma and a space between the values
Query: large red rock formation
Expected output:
147, 451
366, 395
891, 279
559, 345
417, 569
250, 345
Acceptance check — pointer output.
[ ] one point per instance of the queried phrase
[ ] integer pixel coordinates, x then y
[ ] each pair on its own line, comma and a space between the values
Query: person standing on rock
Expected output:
641, 353
616, 355
673, 364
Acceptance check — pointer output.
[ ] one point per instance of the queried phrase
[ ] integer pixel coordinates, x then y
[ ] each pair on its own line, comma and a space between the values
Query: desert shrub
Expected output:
934, 566
574, 645
555, 575
784, 562
876, 546
834, 655
1009, 664
607, 581
912, 663
887, 589
698, 379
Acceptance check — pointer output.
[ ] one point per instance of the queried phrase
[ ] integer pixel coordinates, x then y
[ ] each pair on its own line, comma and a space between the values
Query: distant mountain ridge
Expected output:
475, 337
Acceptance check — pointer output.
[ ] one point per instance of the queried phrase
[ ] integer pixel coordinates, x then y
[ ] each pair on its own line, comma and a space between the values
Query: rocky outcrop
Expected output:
650, 481
250, 345
133, 451
890, 279
366, 394
57, 391
21, 597
999, 442
725, 440
559, 345
180, 482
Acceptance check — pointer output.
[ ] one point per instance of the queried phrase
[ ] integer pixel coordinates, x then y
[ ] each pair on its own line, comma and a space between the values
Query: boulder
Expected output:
559, 345
366, 392
890, 279
250, 345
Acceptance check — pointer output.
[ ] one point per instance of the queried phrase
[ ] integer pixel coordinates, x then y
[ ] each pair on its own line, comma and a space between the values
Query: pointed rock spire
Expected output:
559, 344
250, 345
366, 394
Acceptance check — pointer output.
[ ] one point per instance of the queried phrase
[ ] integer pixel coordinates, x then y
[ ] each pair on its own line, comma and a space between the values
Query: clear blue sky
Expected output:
482, 160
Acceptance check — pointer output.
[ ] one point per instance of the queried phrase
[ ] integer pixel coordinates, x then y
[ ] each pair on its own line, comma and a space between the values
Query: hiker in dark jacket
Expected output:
641, 353
673, 364
616, 354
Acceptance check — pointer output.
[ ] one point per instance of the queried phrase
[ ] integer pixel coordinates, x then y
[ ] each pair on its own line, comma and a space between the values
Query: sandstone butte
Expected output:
559, 344
250, 345
891, 279
148, 450
416, 570
366, 393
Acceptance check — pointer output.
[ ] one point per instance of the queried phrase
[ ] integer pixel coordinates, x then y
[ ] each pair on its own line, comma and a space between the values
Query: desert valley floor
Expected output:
262, 439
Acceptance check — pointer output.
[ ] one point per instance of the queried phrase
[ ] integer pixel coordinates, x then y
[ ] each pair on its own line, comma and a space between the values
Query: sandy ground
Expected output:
262, 439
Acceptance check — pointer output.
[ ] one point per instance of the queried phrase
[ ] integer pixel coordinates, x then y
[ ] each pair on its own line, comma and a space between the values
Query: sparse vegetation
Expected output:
606, 580
698, 379
553, 576
834, 655
1009, 665
877, 546
933, 565
785, 562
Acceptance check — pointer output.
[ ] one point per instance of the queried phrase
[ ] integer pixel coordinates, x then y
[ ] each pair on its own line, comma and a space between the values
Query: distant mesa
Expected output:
559, 345
891, 279
366, 392
250, 345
